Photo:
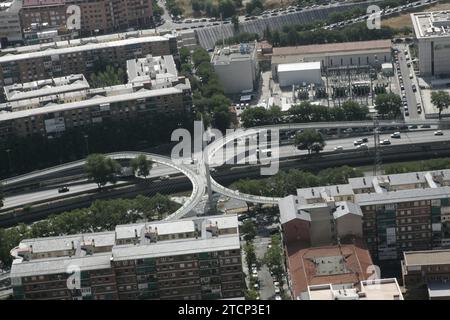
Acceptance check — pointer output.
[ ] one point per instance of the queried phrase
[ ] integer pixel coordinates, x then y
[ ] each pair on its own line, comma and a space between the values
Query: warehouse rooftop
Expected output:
333, 48
301, 66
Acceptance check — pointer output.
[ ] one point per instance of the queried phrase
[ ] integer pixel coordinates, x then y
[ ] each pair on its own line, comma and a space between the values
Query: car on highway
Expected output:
338, 148
425, 126
438, 133
385, 142
357, 142
406, 113
63, 189
164, 178
414, 126
365, 139
362, 146
396, 135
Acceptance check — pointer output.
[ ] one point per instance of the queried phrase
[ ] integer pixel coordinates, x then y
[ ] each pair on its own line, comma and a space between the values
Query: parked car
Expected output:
277, 297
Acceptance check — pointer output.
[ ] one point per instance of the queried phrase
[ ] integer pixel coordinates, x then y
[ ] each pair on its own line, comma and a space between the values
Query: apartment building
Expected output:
380, 289
98, 16
10, 28
44, 61
400, 212
430, 269
196, 258
51, 106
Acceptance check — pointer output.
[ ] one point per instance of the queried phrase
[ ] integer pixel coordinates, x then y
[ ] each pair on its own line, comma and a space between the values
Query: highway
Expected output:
196, 173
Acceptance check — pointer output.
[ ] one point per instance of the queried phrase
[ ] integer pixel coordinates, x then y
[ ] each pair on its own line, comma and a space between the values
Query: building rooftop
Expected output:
176, 247
301, 66
333, 48
60, 243
345, 264
438, 289
89, 259
331, 191
73, 46
382, 289
128, 231
434, 24
424, 258
364, 199
95, 101
160, 70
39, 88
225, 55
60, 265
346, 207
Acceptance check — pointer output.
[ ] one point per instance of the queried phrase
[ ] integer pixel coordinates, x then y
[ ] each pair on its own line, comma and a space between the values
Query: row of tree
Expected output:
356, 32
388, 106
424, 165
35, 152
285, 183
100, 216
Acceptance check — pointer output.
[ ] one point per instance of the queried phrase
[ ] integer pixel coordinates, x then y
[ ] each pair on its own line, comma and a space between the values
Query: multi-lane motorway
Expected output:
194, 173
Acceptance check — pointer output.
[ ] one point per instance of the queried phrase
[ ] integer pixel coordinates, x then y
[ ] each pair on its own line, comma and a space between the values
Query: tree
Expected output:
251, 294
185, 54
388, 105
249, 230
274, 258
101, 169
353, 111
142, 165
441, 100
1, 195
235, 22
250, 255
310, 140
108, 77
226, 8
254, 187
200, 55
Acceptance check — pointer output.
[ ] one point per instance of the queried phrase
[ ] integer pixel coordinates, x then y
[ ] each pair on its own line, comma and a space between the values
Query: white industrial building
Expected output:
298, 73
335, 55
432, 30
387, 69
236, 67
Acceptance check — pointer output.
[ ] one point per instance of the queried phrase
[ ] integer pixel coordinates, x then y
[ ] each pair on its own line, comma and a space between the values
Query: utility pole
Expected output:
376, 142
210, 206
